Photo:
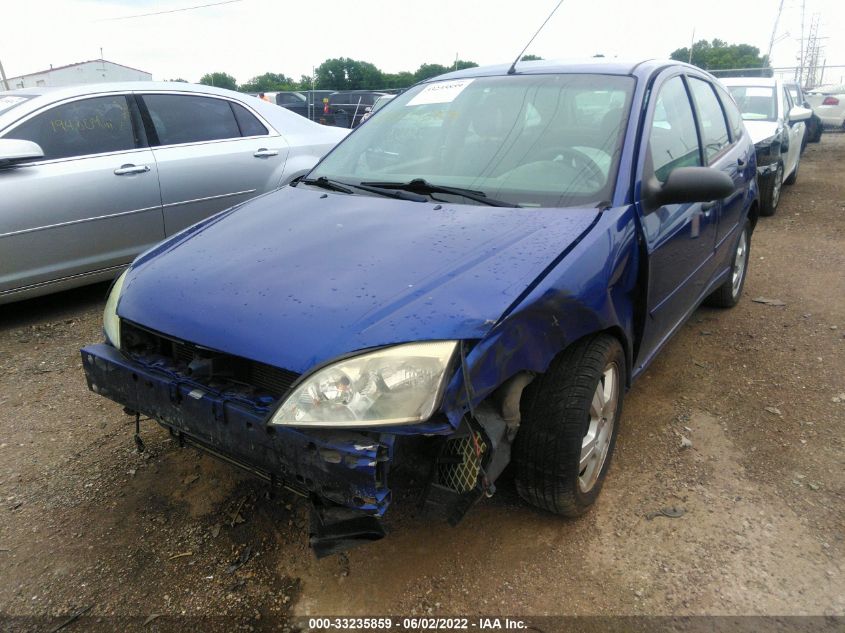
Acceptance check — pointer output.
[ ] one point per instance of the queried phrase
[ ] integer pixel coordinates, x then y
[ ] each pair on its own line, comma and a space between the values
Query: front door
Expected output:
91, 204
680, 238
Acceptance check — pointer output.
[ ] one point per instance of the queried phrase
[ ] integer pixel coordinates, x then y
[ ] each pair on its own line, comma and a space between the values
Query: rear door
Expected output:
212, 153
91, 204
680, 238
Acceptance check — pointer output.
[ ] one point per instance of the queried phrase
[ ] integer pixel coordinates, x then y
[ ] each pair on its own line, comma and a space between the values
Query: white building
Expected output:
90, 72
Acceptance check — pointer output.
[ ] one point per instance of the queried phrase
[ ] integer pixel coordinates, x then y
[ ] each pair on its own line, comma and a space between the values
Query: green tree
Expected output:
399, 80
530, 58
343, 73
269, 82
181, 81
427, 71
461, 64
719, 55
220, 80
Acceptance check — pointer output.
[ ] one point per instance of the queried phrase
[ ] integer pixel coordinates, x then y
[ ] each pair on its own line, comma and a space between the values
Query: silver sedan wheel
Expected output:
740, 262
596, 442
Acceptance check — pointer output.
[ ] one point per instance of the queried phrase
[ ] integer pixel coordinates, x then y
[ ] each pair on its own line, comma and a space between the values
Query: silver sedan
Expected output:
90, 176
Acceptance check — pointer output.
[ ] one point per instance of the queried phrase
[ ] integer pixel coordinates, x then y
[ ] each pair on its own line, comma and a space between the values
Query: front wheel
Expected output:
770, 192
570, 419
727, 295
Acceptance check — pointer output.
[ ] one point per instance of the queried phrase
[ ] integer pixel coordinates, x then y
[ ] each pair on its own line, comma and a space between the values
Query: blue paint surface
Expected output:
299, 277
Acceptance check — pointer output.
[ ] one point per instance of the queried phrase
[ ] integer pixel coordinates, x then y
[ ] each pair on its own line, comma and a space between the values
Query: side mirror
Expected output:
797, 113
13, 151
688, 184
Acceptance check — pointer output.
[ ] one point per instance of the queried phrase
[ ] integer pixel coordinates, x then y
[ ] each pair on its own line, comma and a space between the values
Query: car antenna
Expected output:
512, 69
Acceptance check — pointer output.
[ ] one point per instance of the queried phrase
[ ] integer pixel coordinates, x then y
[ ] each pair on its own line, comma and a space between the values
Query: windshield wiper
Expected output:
419, 185
346, 187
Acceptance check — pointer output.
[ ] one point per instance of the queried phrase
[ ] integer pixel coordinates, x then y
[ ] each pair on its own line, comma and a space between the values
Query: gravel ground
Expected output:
87, 522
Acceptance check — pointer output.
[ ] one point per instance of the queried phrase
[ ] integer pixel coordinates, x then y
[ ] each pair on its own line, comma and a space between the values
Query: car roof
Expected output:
279, 117
592, 65
770, 82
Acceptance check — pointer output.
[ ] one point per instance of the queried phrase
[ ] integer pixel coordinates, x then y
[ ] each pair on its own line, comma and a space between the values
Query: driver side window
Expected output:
81, 128
673, 140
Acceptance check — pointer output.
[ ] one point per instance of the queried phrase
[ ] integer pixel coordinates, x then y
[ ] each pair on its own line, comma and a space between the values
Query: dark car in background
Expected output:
473, 278
347, 108
815, 127
311, 104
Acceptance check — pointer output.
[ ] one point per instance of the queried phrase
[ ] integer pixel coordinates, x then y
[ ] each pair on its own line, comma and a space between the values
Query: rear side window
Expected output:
714, 131
80, 128
731, 109
673, 140
189, 119
249, 125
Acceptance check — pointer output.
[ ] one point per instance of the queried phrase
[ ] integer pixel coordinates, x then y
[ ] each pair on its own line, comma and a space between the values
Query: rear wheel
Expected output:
727, 295
770, 192
570, 419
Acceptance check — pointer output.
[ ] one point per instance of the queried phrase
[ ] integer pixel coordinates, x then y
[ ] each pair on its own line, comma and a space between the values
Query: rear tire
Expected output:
770, 193
570, 420
728, 294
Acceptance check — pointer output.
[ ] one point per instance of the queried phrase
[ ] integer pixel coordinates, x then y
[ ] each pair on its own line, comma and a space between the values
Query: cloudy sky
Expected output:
248, 37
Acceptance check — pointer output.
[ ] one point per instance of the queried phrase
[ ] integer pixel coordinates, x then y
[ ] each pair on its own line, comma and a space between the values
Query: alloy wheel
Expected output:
596, 442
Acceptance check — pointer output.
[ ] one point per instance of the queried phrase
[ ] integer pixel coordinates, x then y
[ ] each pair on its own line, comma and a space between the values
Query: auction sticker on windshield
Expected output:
440, 92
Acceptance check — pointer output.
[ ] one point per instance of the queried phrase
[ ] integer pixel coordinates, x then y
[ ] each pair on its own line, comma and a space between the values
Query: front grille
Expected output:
223, 372
460, 463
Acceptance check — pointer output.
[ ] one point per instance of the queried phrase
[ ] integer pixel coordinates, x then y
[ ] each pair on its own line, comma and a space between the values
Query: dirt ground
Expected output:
88, 522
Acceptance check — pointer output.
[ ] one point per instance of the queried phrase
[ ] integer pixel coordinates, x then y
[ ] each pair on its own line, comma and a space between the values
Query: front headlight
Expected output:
111, 322
395, 385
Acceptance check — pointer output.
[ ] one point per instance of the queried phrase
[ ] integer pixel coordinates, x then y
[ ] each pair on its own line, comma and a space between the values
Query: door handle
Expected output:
265, 153
740, 162
125, 170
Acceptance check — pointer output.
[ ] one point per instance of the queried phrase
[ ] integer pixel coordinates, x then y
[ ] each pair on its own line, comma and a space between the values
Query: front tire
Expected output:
727, 295
770, 192
570, 420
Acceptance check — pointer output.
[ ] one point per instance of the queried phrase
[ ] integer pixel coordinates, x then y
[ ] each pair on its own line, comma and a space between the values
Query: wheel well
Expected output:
512, 389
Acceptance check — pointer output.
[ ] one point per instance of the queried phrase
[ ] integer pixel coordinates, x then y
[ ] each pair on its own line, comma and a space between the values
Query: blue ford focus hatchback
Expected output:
473, 278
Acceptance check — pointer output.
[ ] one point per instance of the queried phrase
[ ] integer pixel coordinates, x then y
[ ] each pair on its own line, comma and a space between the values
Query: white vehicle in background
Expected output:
776, 126
828, 102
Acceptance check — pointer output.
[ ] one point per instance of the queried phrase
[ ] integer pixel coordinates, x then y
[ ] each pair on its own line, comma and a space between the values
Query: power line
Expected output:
146, 15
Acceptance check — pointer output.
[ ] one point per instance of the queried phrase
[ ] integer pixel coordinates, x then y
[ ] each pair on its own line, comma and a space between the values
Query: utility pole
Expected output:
691, 44
800, 77
774, 32
3, 76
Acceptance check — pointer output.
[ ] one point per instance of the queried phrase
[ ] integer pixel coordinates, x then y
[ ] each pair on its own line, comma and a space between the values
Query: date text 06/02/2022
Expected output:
417, 623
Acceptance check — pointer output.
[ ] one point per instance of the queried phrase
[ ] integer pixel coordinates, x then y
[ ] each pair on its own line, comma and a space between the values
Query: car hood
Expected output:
298, 277
761, 130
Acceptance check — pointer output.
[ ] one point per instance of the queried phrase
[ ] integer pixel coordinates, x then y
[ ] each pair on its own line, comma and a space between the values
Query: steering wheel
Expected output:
576, 160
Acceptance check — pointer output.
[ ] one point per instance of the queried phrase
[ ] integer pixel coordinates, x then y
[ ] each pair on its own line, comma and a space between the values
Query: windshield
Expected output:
757, 103
537, 140
9, 101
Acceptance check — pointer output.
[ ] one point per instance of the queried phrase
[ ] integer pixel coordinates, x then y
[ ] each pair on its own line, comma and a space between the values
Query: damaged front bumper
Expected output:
343, 472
